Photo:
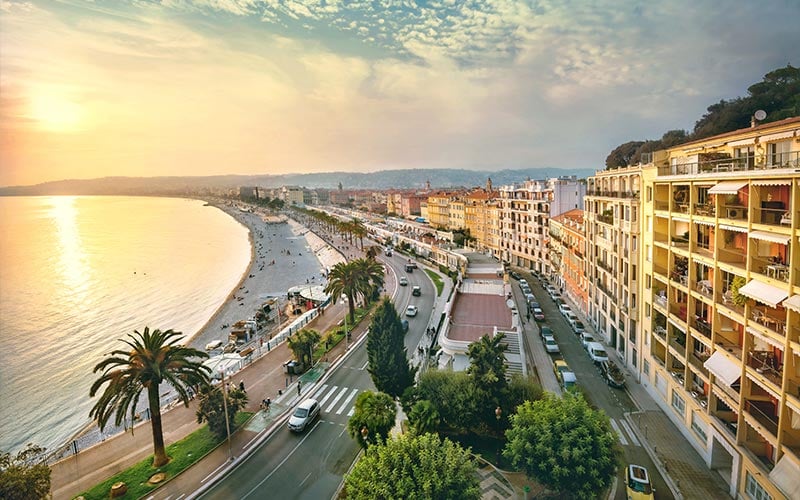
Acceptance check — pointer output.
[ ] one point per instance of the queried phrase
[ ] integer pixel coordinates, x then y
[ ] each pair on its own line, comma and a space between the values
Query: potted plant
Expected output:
737, 297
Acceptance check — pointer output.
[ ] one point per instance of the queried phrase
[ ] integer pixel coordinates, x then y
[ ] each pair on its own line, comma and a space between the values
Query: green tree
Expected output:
373, 418
521, 389
423, 418
302, 345
211, 408
622, 155
25, 475
453, 395
152, 358
355, 279
388, 363
414, 467
564, 444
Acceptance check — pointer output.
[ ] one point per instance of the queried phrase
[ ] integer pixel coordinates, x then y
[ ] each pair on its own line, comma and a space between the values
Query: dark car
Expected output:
404, 323
545, 331
515, 275
538, 314
416, 291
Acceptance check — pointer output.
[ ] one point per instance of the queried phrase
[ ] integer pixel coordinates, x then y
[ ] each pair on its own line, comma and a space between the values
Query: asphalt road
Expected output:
614, 402
311, 465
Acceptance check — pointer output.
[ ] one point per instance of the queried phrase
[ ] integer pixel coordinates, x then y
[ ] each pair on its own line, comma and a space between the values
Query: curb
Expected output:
650, 451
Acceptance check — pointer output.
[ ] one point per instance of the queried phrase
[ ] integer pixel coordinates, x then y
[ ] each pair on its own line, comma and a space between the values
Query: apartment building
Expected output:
612, 216
292, 195
566, 255
721, 299
439, 207
477, 215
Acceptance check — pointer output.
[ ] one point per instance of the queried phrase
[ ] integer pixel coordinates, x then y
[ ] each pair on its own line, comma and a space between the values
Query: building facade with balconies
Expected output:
567, 255
721, 301
612, 222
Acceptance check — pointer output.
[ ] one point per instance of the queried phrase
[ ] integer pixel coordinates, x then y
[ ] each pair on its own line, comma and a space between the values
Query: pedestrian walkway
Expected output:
677, 461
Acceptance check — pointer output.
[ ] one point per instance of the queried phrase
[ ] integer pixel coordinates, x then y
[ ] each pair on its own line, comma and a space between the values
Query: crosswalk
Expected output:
330, 396
627, 437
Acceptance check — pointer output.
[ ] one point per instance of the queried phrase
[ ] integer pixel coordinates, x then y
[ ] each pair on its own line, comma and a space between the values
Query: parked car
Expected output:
559, 366
538, 314
551, 290
412, 311
214, 344
403, 281
529, 297
637, 483
564, 309
304, 414
612, 374
525, 288
533, 303
550, 345
416, 291
515, 275
404, 323
586, 337
545, 330
578, 328
557, 300
524, 282
597, 352
568, 381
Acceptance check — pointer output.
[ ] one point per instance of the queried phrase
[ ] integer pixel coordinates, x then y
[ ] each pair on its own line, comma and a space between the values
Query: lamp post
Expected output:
498, 412
365, 435
225, 407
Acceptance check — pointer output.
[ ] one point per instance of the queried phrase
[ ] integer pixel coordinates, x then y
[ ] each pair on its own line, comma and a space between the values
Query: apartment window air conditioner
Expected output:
735, 213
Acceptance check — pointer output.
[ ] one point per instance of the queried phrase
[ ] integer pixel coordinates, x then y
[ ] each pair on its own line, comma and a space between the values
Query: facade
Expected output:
567, 251
439, 209
292, 195
477, 214
410, 204
613, 235
457, 215
720, 289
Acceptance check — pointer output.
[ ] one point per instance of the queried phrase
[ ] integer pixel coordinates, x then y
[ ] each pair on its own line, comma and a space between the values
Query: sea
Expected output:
77, 274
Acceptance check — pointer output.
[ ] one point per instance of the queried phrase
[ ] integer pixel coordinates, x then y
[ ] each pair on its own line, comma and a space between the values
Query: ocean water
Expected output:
79, 273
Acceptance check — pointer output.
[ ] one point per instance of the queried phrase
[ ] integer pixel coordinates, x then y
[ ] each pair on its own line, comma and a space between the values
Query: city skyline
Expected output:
270, 87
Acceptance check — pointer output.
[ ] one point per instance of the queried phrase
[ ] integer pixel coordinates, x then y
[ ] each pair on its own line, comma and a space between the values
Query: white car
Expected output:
403, 281
550, 345
412, 311
304, 414
564, 309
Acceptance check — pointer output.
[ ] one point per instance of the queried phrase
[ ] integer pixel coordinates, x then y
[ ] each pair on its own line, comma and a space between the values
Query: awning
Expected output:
705, 222
776, 137
738, 229
786, 476
742, 142
764, 293
792, 303
723, 368
772, 182
727, 187
764, 338
773, 237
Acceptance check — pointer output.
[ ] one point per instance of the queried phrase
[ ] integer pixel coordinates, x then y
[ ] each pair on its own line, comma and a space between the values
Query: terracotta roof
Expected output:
575, 215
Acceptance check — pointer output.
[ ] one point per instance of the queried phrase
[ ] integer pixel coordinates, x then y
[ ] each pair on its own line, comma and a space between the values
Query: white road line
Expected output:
619, 432
365, 366
625, 426
330, 393
351, 412
347, 401
213, 472
337, 398
320, 391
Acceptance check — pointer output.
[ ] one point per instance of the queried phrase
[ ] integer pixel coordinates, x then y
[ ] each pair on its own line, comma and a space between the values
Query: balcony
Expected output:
701, 325
764, 413
765, 364
613, 194
605, 218
770, 319
733, 256
741, 164
729, 421
704, 210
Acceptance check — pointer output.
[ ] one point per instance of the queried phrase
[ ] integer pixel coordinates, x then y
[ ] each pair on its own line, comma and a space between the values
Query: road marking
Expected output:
282, 461
306, 479
619, 432
320, 391
625, 426
351, 412
213, 472
347, 401
330, 393
365, 365
337, 398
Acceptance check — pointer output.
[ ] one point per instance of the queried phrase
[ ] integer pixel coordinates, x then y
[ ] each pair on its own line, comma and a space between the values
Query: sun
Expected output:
55, 113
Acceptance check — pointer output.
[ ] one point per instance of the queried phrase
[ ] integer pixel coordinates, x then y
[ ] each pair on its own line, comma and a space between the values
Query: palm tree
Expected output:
302, 345
344, 278
373, 276
487, 362
154, 357
358, 230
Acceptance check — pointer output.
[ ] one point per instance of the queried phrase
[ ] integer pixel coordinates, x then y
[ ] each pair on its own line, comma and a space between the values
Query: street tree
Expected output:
373, 418
423, 418
487, 370
302, 345
388, 362
211, 407
25, 475
414, 467
453, 395
355, 279
151, 358
564, 444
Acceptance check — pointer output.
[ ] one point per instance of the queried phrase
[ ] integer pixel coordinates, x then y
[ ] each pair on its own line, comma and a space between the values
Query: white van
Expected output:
597, 352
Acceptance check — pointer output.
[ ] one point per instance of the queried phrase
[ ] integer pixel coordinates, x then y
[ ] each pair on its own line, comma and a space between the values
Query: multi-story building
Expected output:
613, 235
721, 301
457, 219
477, 214
410, 204
566, 254
292, 195
439, 204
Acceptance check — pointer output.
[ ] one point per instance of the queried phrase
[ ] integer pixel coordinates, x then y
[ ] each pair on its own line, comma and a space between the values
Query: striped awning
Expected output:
773, 237
764, 293
792, 303
772, 182
776, 137
742, 142
723, 368
738, 229
705, 222
766, 339
727, 187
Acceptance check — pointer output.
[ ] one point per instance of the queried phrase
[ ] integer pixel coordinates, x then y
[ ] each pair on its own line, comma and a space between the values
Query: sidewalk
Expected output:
682, 467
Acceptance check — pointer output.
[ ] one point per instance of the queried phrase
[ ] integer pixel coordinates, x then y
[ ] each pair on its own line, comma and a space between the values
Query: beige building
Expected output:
720, 315
567, 254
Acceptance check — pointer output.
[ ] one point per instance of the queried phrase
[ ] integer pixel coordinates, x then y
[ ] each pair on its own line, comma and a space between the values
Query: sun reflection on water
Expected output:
73, 263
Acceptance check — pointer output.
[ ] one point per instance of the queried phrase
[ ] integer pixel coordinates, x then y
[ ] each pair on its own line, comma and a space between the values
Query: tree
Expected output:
521, 389
388, 362
373, 418
372, 276
354, 279
423, 417
414, 467
453, 395
25, 475
302, 345
358, 230
564, 444
622, 155
153, 358
212, 407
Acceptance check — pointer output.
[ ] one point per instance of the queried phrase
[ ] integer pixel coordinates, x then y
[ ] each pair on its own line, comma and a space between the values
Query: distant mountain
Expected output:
386, 179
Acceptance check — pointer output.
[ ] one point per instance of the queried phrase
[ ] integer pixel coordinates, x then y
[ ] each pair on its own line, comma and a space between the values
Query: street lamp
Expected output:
225, 407
498, 412
364, 435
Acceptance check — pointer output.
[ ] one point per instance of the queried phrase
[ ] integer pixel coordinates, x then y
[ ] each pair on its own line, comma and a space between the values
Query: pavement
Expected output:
263, 378
682, 467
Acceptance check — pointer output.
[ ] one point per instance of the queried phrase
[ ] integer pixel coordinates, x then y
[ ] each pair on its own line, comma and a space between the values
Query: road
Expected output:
311, 464
614, 402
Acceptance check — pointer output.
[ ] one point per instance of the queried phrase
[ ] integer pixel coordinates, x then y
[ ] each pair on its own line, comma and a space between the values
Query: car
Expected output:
559, 366
388, 252
515, 275
637, 483
305, 413
578, 328
551, 290
538, 314
557, 300
214, 344
533, 303
545, 331
416, 291
409, 268
586, 337
403, 281
411, 263
564, 309
412, 311
404, 324
597, 352
568, 381
550, 345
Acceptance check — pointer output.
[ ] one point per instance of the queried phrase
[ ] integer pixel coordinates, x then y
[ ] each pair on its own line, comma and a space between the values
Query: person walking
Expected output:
241, 386
299, 385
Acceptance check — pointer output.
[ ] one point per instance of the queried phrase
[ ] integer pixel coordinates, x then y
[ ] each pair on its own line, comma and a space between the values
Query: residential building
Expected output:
477, 213
721, 300
292, 195
567, 250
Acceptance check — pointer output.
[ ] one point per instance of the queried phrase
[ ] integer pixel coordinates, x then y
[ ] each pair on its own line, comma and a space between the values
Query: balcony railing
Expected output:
745, 163
765, 364
769, 421
612, 194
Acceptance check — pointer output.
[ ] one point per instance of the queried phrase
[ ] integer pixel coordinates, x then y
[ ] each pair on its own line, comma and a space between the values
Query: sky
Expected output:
177, 87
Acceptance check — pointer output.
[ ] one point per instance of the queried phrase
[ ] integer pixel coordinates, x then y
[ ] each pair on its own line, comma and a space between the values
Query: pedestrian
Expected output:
299, 385
241, 386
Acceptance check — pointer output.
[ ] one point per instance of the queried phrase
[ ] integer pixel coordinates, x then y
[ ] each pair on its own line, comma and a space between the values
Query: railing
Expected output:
727, 424
766, 366
607, 219
612, 194
770, 422
745, 163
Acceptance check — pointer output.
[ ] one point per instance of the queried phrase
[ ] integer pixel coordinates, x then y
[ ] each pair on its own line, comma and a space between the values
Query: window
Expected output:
649, 193
779, 152
678, 403
754, 490
645, 366
634, 357
699, 426
647, 310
